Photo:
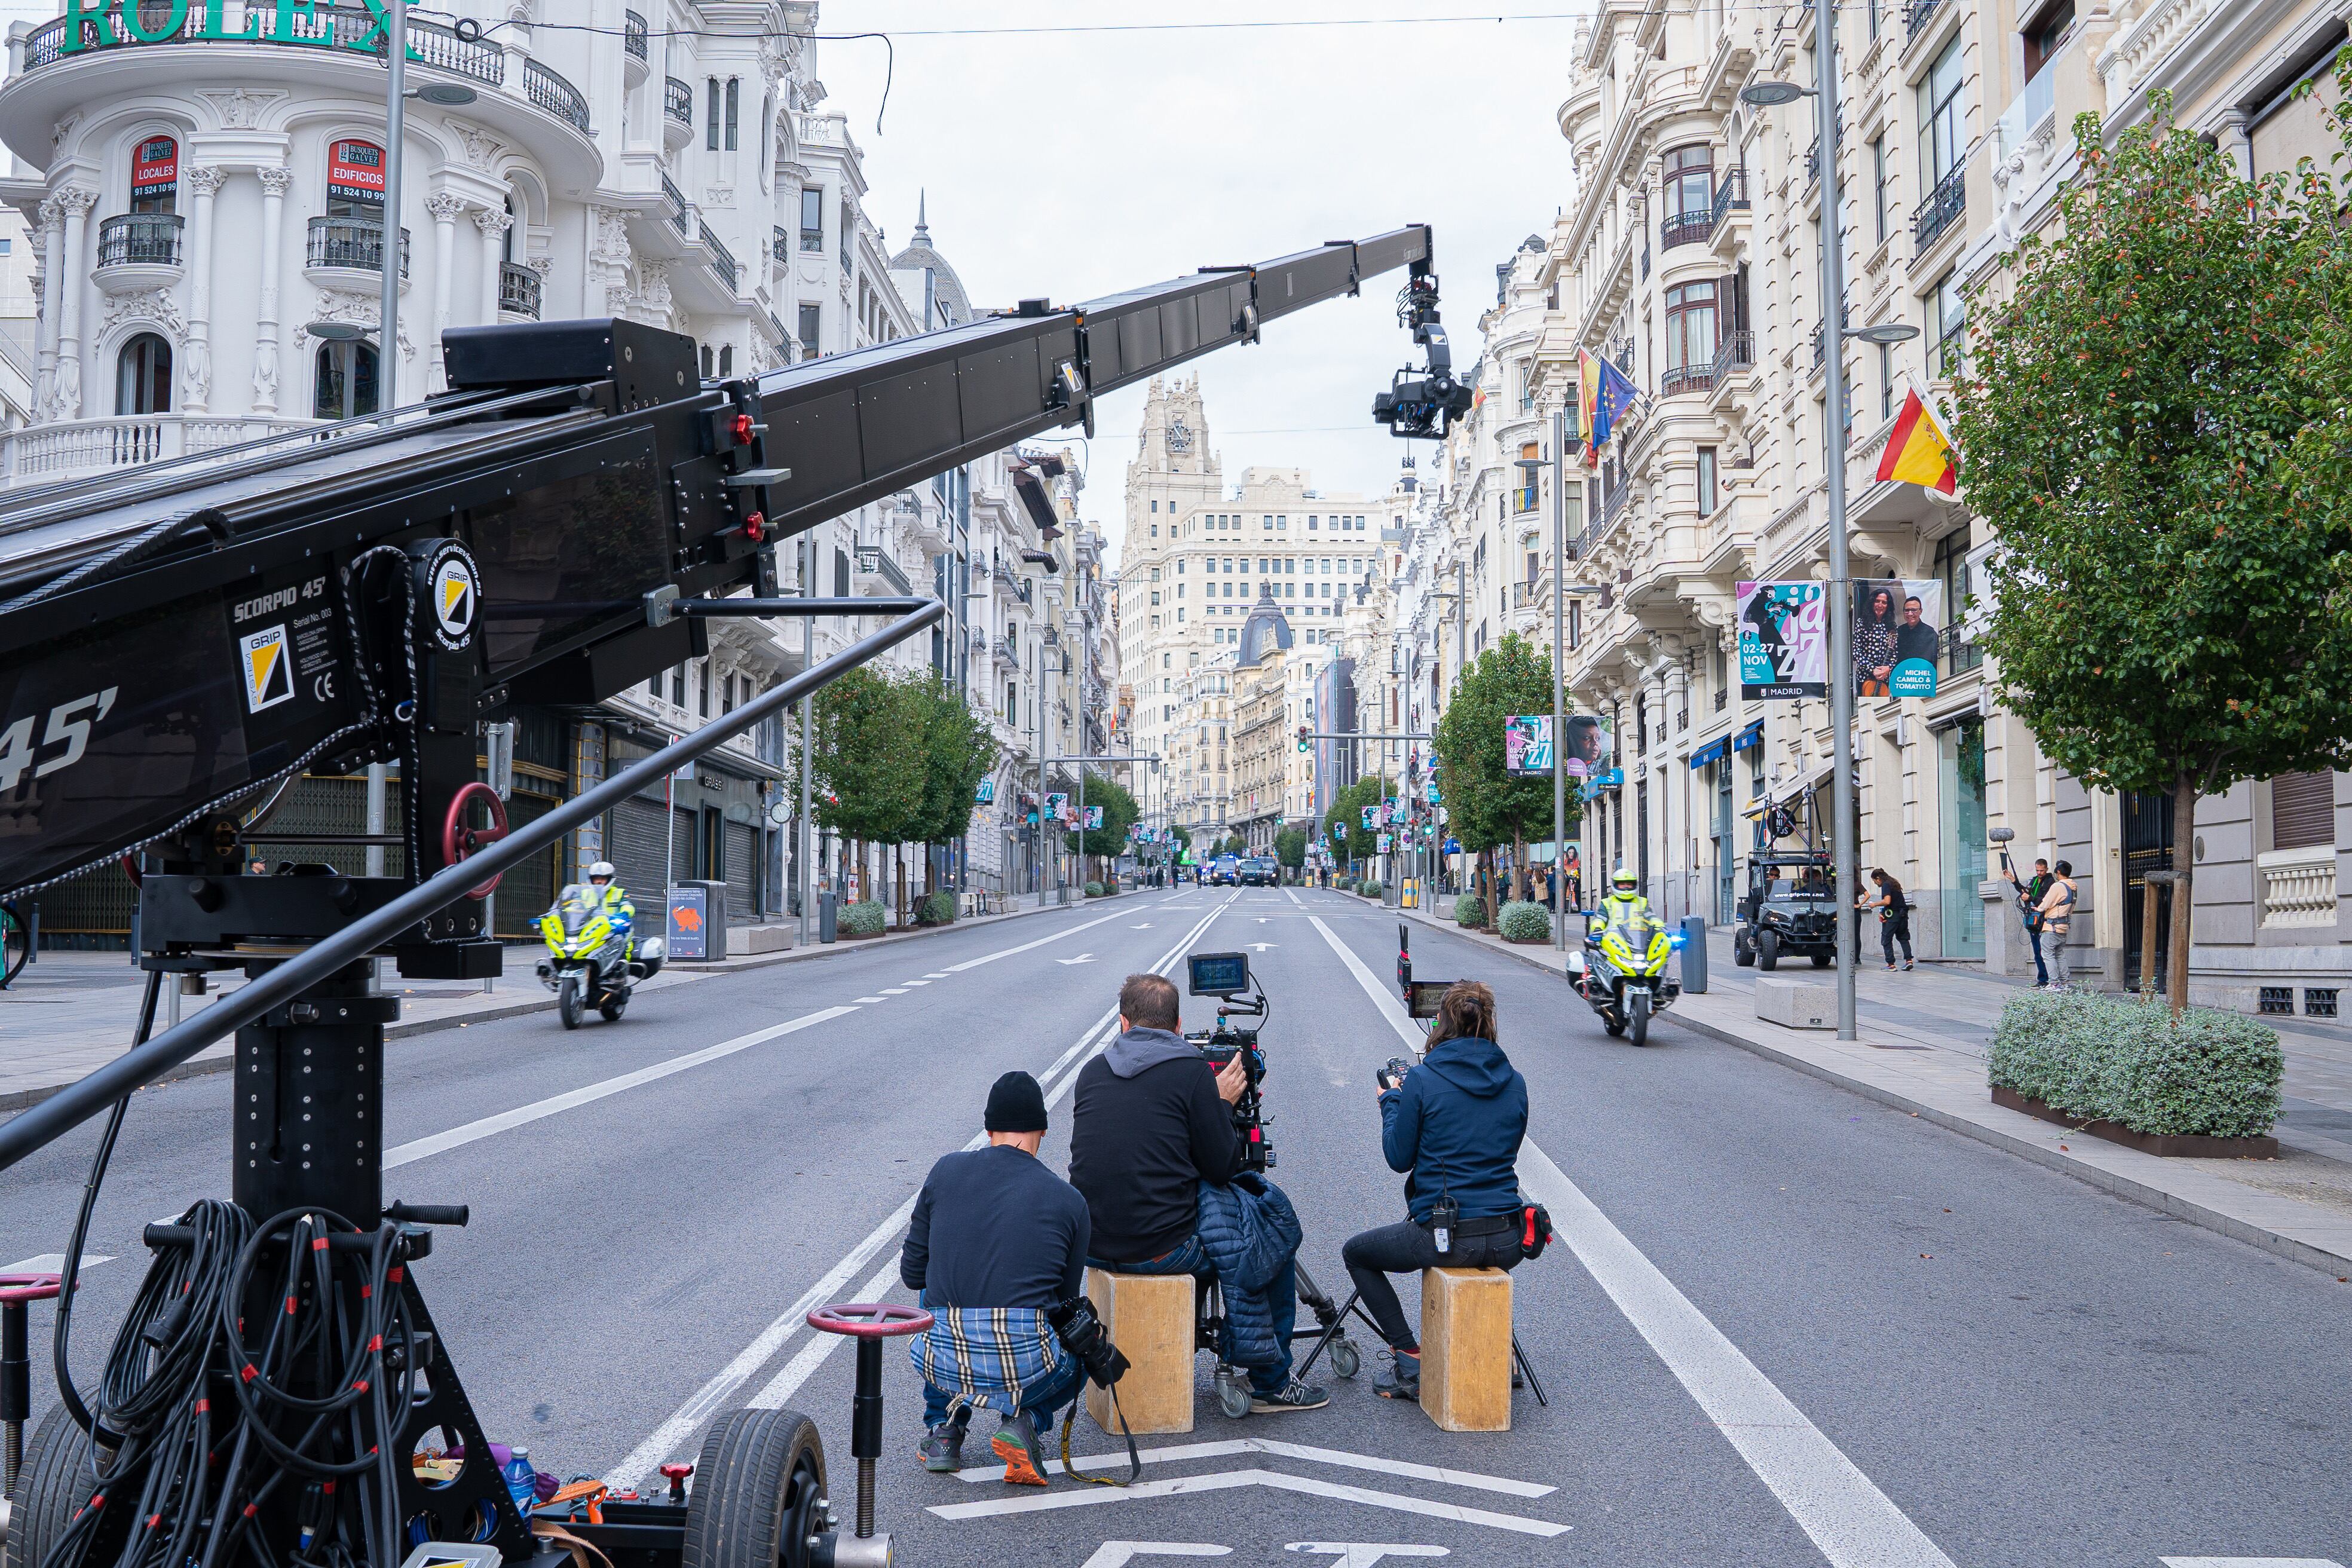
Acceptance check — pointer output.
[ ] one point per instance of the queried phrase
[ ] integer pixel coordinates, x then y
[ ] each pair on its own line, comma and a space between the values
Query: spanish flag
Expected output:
1588, 405
1918, 452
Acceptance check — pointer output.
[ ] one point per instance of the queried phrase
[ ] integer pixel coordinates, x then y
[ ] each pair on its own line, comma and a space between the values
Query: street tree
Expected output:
1290, 848
1120, 811
867, 760
1348, 810
2169, 604
957, 754
1486, 804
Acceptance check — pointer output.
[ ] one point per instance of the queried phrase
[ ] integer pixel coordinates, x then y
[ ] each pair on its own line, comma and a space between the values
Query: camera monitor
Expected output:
1219, 974
1422, 997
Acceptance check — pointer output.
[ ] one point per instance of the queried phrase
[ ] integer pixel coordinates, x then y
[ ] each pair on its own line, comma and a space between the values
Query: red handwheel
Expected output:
460, 840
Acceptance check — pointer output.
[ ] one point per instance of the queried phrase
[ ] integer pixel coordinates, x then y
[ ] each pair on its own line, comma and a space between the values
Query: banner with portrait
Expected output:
1898, 626
1784, 641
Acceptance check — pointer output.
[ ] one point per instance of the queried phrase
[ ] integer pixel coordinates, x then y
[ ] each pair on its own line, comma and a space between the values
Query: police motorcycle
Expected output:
588, 962
1621, 970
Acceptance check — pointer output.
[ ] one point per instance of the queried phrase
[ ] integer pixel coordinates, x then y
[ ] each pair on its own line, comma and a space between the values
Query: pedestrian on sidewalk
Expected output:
2029, 899
1885, 896
2057, 903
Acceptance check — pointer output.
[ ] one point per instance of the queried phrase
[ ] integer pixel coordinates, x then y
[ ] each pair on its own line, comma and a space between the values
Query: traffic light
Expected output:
1302, 737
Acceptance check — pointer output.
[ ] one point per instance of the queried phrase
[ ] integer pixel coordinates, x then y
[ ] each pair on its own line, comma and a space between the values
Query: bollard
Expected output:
1695, 954
827, 919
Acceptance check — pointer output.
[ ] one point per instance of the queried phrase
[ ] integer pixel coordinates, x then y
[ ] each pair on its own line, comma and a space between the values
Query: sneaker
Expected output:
1293, 1395
943, 1451
1016, 1443
1403, 1378
1906, 966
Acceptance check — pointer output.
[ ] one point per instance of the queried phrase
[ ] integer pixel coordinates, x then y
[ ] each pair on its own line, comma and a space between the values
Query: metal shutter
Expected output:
633, 842
2303, 810
742, 849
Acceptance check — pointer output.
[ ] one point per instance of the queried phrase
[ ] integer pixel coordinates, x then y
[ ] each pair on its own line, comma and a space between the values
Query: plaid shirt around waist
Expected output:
986, 1356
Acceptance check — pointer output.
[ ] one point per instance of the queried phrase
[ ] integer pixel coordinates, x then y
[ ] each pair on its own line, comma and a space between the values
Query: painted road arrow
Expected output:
1082, 958
1274, 1480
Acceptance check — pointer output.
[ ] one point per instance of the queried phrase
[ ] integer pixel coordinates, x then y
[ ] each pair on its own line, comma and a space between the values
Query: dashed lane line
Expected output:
1229, 1480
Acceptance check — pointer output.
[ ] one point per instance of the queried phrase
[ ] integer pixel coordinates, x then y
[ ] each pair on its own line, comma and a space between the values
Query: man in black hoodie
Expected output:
1151, 1122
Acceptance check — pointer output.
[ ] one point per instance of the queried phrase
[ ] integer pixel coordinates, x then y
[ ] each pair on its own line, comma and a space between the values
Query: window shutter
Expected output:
2303, 810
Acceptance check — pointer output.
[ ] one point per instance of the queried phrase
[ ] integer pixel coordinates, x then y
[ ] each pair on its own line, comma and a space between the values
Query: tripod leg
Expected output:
1332, 1326
1519, 1354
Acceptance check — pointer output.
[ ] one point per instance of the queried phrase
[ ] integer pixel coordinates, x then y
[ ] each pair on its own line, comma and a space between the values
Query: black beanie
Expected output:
1015, 1104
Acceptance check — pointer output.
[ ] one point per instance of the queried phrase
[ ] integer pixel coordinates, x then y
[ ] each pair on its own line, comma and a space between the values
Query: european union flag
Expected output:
1617, 393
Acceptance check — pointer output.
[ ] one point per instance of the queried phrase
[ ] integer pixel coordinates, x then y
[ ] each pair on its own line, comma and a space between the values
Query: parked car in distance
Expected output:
1260, 871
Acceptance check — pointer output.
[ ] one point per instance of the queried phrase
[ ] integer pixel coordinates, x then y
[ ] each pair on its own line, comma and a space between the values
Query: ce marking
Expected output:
322, 687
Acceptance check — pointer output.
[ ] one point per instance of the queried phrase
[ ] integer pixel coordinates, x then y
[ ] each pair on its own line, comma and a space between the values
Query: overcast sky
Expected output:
1077, 165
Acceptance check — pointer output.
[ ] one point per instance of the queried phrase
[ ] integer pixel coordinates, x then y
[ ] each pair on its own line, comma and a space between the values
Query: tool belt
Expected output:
1464, 1229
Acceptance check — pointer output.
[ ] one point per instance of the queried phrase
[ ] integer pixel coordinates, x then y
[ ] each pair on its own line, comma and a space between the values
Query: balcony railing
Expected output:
1677, 379
1730, 196
1533, 595
1916, 16
555, 95
722, 261
1686, 229
675, 200
135, 239
1942, 208
632, 33
677, 101
1734, 353
519, 289
353, 242
780, 244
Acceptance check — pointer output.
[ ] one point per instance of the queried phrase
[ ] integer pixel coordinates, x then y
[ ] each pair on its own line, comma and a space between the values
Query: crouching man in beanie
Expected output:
997, 1239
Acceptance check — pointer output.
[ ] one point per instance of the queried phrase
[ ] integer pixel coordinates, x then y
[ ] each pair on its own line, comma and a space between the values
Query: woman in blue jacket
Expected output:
1453, 1126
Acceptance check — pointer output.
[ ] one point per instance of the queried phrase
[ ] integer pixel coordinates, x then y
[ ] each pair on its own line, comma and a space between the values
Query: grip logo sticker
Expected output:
452, 590
269, 669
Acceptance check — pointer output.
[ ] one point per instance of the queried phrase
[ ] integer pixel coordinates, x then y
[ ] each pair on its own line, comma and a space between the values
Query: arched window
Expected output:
709, 363
734, 99
154, 174
514, 221
143, 380
346, 386
726, 360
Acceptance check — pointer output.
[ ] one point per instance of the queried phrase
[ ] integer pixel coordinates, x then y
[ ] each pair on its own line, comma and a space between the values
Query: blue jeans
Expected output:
2040, 969
1281, 1293
1042, 1400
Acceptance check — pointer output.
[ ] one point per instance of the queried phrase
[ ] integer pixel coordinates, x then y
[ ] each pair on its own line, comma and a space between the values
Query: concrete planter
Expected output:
2174, 1145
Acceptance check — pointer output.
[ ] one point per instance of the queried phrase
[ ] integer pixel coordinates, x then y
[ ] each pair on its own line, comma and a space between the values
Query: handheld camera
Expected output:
1226, 977
1391, 1076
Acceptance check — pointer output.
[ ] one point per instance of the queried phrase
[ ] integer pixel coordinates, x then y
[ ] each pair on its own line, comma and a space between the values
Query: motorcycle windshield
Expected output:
576, 906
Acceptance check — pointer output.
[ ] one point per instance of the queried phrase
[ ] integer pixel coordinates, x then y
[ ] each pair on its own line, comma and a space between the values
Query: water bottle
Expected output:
522, 1482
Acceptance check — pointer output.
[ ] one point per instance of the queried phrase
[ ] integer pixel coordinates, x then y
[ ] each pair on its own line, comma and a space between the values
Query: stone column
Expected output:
53, 239
76, 202
274, 185
445, 206
494, 223
197, 360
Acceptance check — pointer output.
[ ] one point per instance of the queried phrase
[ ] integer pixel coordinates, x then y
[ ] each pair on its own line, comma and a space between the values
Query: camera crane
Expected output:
179, 642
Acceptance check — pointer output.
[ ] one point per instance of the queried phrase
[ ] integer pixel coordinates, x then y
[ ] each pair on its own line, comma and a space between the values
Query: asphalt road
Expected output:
1784, 1325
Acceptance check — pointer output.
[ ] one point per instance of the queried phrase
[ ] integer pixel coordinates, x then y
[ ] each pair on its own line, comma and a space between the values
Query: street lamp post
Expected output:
1530, 467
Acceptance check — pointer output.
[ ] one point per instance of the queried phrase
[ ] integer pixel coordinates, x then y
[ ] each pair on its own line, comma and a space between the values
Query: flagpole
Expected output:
1841, 592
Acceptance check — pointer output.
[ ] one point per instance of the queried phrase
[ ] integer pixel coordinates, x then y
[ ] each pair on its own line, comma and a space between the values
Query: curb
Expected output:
2112, 1182
206, 1065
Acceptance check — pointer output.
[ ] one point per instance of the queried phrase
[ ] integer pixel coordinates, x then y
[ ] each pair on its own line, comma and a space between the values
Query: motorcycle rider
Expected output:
1622, 905
617, 908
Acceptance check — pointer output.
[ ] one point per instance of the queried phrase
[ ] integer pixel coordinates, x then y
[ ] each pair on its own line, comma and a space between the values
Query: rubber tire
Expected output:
756, 1487
570, 1005
1346, 1360
1742, 953
612, 1010
1767, 951
1823, 960
55, 1482
1638, 1022
1233, 1398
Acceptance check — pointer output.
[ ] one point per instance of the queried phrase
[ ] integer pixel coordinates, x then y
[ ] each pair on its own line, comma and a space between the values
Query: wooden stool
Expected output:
1149, 1317
1465, 1349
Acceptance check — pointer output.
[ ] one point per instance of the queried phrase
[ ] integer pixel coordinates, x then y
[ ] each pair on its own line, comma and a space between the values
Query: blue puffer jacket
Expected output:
1455, 1125
1249, 1231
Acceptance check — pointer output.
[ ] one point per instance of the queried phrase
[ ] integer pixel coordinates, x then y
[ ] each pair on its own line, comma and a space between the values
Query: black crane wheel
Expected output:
758, 1489
56, 1481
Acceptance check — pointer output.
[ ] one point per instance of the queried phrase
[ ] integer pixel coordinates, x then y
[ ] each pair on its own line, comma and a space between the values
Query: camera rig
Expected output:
1420, 406
1226, 976
179, 642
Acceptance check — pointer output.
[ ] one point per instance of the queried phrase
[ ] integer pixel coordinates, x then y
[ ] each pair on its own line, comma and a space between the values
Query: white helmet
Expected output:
602, 871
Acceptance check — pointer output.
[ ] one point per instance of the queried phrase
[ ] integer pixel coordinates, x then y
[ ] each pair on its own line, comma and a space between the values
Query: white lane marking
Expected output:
1024, 947
811, 1355
1383, 999
914, 982
1145, 925
871, 1001
1082, 958
1229, 1480
1363, 1553
1293, 896
55, 1262
1116, 1553
1261, 946
1854, 1524
689, 1417
2250, 1562
893, 991
473, 1132
1227, 1448
936, 974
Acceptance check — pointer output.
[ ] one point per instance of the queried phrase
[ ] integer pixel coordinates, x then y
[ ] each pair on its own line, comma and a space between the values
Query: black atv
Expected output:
1791, 909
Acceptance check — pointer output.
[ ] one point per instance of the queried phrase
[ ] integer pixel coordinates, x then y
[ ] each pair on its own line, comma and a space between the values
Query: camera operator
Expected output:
998, 1242
1454, 1123
1150, 1124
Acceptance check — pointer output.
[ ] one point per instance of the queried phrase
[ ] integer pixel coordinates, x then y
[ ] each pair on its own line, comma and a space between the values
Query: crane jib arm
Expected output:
176, 637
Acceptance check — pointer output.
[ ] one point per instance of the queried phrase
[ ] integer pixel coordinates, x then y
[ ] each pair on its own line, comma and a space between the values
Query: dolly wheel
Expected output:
55, 1482
759, 1489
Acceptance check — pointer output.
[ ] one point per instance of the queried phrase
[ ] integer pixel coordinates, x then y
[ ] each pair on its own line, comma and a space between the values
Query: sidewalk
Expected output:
1924, 1035
70, 1013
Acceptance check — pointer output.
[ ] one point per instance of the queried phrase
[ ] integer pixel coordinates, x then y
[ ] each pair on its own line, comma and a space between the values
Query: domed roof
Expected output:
1265, 628
920, 253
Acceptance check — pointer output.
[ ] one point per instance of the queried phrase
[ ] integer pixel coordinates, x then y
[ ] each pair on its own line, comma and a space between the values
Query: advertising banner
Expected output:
1784, 641
1057, 808
1526, 744
154, 168
1094, 817
1897, 625
355, 172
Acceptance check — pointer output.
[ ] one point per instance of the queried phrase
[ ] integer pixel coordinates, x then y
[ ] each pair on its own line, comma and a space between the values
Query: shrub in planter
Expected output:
1094, 890
864, 920
1372, 888
940, 909
1520, 920
1469, 912
2113, 1058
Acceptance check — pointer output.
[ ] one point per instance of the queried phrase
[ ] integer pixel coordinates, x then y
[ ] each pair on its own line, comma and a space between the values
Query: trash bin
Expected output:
697, 921
826, 918
1695, 954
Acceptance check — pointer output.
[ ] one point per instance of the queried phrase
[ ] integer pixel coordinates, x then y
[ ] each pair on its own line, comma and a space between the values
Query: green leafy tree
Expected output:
1486, 804
867, 759
1290, 848
1120, 812
958, 753
2168, 604
1348, 810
